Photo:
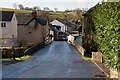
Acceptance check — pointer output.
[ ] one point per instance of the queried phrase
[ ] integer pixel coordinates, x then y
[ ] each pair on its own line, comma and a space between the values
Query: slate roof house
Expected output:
8, 28
70, 26
57, 34
32, 28
59, 25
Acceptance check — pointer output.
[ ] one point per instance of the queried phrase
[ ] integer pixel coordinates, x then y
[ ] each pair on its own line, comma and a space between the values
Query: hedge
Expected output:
106, 19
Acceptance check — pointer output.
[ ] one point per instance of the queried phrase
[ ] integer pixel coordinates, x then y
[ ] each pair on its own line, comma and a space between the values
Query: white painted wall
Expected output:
57, 23
10, 29
71, 38
8, 32
14, 26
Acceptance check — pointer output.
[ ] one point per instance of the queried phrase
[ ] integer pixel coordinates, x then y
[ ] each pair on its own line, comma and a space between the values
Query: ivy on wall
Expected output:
106, 20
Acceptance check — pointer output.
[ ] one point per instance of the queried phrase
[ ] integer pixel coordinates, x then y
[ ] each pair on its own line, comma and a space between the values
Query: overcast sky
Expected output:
60, 4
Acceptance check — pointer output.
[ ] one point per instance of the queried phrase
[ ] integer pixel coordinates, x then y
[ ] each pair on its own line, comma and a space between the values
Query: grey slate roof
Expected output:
26, 19
53, 28
6, 15
72, 22
41, 21
23, 19
90, 10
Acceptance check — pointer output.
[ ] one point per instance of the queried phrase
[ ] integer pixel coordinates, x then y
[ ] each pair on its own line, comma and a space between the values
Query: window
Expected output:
29, 32
3, 25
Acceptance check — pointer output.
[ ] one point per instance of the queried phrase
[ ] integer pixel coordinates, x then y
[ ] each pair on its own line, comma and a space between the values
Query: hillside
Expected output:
61, 15
16, 10
73, 16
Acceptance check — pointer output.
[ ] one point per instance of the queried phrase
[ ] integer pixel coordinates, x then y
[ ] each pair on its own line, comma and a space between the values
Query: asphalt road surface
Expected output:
57, 60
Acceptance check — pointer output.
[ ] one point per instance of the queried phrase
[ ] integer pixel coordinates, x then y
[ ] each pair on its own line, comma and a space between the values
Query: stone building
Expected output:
32, 28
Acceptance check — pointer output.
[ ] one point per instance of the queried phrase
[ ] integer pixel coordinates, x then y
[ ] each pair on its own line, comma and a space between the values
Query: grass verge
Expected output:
87, 58
18, 59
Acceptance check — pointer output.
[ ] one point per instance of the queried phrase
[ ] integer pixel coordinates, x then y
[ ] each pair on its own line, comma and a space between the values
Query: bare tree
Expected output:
28, 8
15, 5
78, 11
21, 6
36, 8
55, 9
46, 8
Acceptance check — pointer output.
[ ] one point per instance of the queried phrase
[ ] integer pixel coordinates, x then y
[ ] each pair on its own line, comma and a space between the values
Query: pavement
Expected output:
56, 60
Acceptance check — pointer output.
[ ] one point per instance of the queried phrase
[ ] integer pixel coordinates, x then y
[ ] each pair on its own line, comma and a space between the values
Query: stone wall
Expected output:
79, 47
32, 34
113, 73
97, 57
76, 44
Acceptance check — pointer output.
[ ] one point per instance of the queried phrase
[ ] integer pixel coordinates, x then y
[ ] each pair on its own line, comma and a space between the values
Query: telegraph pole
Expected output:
65, 23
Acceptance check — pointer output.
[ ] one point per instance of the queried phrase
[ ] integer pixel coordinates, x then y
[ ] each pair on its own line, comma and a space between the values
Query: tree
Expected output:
15, 6
21, 6
46, 8
78, 12
55, 9
27, 8
36, 8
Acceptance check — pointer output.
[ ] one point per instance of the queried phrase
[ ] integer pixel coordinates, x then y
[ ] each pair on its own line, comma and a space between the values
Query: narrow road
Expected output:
57, 60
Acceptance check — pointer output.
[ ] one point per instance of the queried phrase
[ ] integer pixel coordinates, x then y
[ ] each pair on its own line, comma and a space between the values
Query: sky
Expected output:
60, 4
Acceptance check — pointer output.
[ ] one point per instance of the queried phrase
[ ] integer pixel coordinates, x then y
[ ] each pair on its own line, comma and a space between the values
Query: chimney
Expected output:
34, 14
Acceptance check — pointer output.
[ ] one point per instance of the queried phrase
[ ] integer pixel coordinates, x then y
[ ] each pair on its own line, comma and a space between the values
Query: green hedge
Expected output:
106, 19
19, 51
9, 53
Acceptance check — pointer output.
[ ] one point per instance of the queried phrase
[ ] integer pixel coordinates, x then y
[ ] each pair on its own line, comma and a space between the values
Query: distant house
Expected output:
8, 28
60, 26
73, 25
57, 34
70, 26
32, 28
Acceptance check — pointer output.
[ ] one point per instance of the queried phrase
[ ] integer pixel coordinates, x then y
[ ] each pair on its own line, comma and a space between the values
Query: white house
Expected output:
57, 23
8, 28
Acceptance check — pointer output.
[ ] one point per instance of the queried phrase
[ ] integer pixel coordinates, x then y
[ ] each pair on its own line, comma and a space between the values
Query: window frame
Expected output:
3, 25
